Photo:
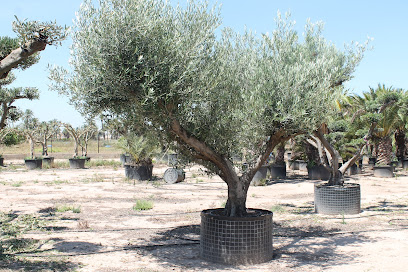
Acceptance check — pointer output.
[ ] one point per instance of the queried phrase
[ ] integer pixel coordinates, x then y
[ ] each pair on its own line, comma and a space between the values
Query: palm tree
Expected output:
401, 127
379, 108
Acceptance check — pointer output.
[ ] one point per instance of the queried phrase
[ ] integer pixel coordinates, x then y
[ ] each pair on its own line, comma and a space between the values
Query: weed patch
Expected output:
143, 205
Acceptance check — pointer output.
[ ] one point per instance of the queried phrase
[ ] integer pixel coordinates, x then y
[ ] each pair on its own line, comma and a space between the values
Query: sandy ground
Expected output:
108, 235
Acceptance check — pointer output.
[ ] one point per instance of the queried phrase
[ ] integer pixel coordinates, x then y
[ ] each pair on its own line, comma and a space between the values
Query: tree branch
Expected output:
19, 55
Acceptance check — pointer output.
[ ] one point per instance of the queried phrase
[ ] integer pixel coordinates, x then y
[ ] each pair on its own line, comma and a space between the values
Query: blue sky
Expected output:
345, 21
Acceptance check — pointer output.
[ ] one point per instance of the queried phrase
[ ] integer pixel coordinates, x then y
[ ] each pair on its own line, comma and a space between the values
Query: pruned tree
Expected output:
366, 118
163, 68
30, 128
33, 37
87, 131
21, 53
81, 136
8, 96
46, 131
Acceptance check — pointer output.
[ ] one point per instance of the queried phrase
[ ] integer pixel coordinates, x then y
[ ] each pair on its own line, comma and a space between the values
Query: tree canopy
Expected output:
165, 69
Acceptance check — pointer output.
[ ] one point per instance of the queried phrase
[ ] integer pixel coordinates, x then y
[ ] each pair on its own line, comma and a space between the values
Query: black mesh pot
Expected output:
173, 175
139, 172
354, 170
404, 164
32, 164
48, 160
125, 158
336, 199
260, 175
318, 172
77, 163
236, 240
294, 165
384, 171
277, 170
371, 162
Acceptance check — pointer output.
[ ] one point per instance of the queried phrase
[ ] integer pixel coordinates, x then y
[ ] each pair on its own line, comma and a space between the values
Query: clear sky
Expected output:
345, 21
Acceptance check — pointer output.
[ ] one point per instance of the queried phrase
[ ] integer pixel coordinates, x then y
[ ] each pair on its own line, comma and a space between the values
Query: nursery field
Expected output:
62, 149
96, 220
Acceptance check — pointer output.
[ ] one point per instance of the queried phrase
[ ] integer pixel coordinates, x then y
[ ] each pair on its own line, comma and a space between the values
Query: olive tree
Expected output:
81, 136
30, 128
8, 96
33, 37
46, 131
163, 68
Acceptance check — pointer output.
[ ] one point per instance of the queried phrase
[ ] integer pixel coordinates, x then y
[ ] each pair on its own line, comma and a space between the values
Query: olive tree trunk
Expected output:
337, 174
237, 185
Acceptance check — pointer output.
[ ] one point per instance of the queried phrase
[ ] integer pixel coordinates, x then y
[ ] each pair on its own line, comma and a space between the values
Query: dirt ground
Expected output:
108, 235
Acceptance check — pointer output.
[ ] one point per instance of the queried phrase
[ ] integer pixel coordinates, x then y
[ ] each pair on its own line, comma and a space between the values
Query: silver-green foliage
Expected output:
147, 60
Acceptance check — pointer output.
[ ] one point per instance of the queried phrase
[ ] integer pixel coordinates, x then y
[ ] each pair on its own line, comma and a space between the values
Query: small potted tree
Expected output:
30, 128
78, 134
141, 150
336, 196
46, 131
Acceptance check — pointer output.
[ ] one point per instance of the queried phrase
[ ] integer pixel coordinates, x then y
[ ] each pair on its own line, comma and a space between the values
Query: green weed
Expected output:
66, 208
277, 209
143, 205
17, 184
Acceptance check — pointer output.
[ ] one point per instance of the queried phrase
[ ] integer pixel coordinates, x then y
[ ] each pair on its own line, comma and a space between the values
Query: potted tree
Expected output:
46, 131
30, 128
392, 101
214, 97
335, 196
141, 150
79, 134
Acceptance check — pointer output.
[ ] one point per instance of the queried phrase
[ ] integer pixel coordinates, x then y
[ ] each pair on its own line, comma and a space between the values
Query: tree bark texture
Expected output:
384, 151
280, 154
20, 54
237, 185
400, 143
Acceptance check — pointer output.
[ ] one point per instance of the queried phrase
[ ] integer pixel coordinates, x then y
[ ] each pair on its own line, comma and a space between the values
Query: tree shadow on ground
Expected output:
295, 245
387, 206
23, 264
77, 247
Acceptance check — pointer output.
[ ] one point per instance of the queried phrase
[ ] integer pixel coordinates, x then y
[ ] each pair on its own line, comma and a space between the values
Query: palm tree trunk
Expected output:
400, 142
384, 151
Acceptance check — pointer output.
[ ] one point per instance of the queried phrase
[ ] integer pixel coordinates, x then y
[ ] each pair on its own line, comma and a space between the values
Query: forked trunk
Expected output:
384, 151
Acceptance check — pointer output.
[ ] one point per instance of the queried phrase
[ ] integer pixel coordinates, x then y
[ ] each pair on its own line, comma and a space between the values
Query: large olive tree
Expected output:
163, 67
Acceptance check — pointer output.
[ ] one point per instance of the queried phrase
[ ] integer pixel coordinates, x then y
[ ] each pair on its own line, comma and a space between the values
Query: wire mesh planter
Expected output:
335, 199
236, 240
